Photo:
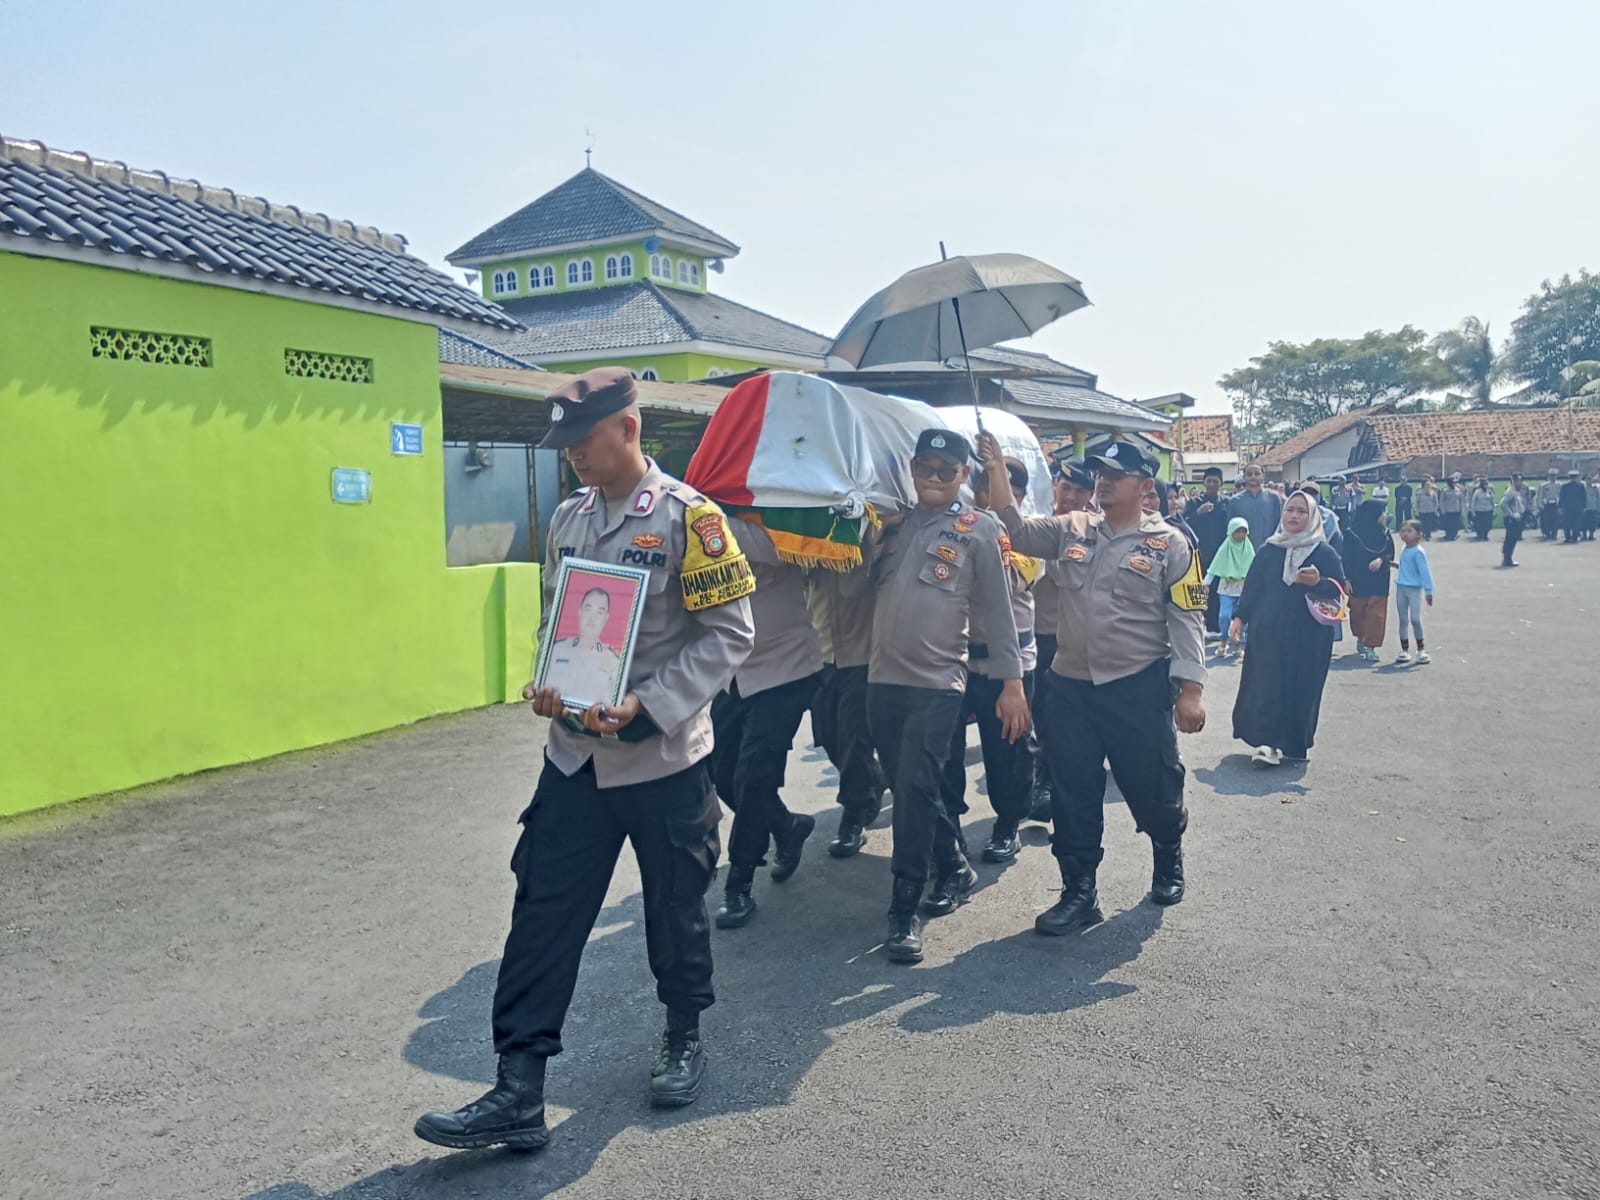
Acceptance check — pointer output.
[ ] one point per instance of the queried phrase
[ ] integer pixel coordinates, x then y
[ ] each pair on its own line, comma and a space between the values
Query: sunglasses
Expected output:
943, 472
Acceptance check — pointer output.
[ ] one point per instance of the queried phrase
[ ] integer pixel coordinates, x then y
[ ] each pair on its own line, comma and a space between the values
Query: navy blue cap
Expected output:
1074, 471
1127, 457
943, 443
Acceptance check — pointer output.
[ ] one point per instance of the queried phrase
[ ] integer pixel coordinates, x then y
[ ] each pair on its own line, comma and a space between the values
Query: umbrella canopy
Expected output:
998, 297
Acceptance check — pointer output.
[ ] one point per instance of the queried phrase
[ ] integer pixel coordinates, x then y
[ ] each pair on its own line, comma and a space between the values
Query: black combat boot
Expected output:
1079, 906
680, 1068
511, 1114
950, 888
1039, 800
738, 905
1004, 843
851, 837
1166, 882
904, 943
786, 858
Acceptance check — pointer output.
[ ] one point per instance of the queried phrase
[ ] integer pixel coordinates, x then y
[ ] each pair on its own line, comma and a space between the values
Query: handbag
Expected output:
1330, 612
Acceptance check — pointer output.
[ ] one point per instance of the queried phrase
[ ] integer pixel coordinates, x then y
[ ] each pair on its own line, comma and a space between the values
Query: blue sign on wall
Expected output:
404, 438
352, 485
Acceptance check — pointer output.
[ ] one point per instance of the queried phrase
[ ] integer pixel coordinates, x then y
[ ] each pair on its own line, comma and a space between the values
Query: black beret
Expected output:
577, 405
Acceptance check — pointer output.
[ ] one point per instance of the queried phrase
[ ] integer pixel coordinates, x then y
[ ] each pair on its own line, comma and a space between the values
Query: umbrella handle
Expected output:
977, 407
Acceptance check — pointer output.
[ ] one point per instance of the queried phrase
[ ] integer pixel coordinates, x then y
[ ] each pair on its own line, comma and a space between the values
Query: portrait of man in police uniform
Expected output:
584, 668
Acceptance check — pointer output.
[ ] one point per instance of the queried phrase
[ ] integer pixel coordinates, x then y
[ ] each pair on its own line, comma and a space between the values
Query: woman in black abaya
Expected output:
1280, 688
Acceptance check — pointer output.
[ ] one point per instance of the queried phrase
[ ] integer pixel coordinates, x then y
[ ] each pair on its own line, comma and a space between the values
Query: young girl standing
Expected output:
1413, 582
1229, 566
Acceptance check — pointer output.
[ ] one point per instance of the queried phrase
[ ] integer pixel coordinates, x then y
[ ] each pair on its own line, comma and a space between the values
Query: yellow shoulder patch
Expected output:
715, 571
1028, 567
1189, 593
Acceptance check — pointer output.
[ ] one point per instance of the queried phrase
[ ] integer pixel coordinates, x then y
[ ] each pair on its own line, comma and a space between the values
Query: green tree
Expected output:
1293, 386
1468, 351
1559, 326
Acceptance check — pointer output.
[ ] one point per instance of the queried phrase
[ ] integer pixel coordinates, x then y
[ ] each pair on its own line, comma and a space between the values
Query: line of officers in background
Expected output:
1071, 640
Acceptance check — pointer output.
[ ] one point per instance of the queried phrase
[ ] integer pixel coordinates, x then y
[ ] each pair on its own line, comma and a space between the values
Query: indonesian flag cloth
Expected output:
811, 461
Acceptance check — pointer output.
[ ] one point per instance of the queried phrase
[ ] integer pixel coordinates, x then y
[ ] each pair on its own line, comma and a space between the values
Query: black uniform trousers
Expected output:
1402, 511
1549, 518
843, 695
754, 735
1007, 766
1573, 521
1513, 536
911, 728
1129, 722
571, 836
1042, 674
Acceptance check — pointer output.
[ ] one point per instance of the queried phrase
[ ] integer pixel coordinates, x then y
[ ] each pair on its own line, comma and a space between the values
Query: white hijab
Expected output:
1297, 547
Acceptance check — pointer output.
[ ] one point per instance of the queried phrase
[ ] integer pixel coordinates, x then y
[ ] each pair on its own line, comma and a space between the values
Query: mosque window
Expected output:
611, 266
587, 268
627, 266
572, 274
549, 277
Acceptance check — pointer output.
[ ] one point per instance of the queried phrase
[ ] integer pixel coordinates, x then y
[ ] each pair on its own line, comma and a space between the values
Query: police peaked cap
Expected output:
943, 443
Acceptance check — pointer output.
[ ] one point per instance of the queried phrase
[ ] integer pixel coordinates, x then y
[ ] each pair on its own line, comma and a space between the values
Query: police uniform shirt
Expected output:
935, 570
1549, 492
787, 646
849, 597
1046, 599
1126, 599
694, 632
1514, 504
1022, 616
583, 674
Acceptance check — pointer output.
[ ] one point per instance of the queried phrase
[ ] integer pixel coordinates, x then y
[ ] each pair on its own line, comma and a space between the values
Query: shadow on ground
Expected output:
771, 1027
1237, 775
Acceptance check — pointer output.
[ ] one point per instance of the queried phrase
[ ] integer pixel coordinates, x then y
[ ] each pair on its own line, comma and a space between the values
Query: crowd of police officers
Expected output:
1072, 640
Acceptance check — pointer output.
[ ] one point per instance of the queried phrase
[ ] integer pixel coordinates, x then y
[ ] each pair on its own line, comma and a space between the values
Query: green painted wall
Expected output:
181, 591
597, 255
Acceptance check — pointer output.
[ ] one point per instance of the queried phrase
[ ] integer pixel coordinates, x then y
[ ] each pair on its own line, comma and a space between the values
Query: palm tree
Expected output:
1468, 351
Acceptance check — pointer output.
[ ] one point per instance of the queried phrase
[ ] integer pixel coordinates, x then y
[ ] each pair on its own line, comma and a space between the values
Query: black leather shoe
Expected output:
851, 837
1039, 801
1079, 906
786, 859
738, 905
1004, 845
904, 943
679, 1070
949, 890
1166, 883
510, 1115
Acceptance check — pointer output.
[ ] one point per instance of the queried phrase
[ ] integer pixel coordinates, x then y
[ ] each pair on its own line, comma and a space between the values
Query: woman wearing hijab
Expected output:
1160, 502
1369, 552
1226, 575
1280, 688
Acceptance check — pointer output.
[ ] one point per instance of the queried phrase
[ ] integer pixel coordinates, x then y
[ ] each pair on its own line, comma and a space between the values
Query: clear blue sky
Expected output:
1218, 174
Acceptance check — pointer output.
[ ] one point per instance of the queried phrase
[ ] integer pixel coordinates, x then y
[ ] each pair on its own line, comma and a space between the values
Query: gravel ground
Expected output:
1382, 983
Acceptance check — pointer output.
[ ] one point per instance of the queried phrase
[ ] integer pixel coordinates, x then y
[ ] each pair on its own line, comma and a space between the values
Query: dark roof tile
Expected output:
461, 350
588, 207
113, 212
624, 316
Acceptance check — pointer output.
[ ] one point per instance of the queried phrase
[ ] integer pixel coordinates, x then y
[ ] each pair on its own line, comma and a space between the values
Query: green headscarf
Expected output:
1232, 559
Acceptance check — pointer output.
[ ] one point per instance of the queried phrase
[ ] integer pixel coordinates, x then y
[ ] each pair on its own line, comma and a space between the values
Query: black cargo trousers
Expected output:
572, 834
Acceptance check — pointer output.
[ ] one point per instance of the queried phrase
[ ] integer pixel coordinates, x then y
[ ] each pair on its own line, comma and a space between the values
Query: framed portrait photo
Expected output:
593, 628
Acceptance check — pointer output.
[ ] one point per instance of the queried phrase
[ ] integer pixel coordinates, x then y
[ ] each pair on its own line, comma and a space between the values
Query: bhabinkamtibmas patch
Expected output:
715, 570
1189, 593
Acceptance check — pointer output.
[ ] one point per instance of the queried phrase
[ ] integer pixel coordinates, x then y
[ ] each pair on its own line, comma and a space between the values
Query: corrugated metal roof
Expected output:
589, 207
112, 215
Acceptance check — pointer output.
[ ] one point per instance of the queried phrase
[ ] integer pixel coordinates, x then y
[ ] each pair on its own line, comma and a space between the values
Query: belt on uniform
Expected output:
981, 649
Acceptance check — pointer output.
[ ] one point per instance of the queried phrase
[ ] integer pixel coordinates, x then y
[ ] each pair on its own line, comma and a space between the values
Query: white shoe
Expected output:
1268, 757
1422, 657
1403, 657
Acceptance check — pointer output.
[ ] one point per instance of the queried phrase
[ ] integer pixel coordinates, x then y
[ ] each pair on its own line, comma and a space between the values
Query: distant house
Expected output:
1494, 442
221, 465
1205, 442
599, 274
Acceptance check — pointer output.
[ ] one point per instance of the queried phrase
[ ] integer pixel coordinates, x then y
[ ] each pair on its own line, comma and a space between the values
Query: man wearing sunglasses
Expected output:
1130, 626
941, 567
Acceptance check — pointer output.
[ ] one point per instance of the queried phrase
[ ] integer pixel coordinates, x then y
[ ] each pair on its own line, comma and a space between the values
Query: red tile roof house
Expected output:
1494, 443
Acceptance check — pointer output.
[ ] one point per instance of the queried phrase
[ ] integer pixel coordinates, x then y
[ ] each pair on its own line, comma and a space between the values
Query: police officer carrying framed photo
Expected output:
940, 564
633, 771
1130, 633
